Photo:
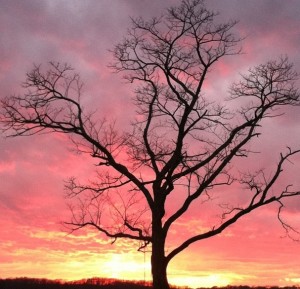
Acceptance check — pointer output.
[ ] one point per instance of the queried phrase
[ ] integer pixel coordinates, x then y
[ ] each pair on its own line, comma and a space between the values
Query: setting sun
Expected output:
121, 268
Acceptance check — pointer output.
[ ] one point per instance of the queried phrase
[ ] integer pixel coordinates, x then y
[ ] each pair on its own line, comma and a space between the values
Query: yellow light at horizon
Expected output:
294, 280
121, 268
200, 281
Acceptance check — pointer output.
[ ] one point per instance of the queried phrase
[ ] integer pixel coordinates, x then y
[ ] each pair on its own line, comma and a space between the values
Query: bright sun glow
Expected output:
203, 281
120, 267
294, 280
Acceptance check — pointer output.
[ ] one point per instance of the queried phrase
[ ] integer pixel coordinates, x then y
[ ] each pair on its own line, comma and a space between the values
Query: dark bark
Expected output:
159, 271
158, 261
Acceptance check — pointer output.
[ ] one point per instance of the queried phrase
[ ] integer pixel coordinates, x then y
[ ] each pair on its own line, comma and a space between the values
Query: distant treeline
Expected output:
100, 283
93, 283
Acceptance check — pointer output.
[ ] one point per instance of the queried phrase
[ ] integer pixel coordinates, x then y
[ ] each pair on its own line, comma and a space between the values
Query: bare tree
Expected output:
181, 143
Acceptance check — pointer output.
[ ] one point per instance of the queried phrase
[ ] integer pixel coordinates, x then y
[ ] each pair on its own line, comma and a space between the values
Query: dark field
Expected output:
100, 283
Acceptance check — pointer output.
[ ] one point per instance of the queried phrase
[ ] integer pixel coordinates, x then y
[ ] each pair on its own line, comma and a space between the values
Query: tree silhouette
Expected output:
182, 145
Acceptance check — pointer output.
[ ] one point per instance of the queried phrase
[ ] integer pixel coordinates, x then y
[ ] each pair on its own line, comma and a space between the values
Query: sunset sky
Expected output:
33, 241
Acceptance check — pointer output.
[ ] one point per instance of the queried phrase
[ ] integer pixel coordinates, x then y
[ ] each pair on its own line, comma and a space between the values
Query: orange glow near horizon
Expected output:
78, 257
251, 252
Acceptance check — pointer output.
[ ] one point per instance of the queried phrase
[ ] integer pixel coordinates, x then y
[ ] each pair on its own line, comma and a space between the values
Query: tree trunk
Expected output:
158, 260
159, 267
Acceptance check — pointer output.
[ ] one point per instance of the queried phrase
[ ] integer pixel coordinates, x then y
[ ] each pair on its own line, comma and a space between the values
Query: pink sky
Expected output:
33, 169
